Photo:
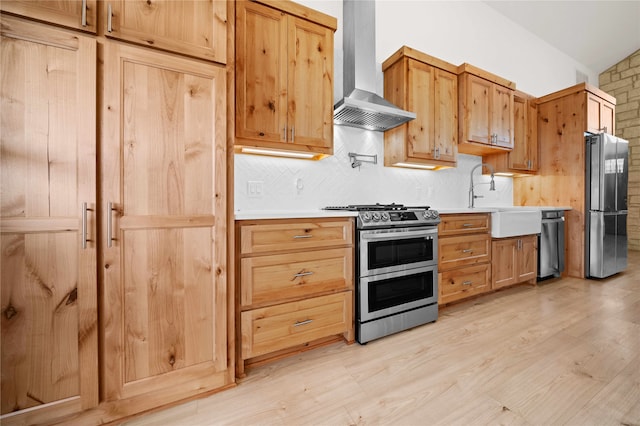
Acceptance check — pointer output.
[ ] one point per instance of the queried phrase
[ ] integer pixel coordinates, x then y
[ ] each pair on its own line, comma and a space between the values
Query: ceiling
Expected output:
597, 34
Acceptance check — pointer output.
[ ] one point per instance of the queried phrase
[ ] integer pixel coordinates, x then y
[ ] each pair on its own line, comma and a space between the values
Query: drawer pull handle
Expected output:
297, 237
305, 322
467, 251
303, 274
467, 225
467, 282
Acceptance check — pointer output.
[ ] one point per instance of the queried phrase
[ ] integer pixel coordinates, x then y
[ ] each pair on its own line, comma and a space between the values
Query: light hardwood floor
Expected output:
566, 351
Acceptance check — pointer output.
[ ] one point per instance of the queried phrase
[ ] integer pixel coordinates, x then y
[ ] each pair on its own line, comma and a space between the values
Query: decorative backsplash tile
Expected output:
290, 184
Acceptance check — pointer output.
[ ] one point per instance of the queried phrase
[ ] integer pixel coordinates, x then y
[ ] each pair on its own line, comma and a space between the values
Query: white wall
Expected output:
455, 31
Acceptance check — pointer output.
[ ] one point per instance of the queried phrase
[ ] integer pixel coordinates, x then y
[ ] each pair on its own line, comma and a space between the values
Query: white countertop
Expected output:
290, 214
459, 210
294, 214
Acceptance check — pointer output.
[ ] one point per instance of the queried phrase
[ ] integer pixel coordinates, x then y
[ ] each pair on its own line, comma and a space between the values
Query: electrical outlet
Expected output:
255, 188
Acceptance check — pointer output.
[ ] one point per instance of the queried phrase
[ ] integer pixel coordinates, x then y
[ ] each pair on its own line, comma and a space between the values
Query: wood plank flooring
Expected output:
565, 352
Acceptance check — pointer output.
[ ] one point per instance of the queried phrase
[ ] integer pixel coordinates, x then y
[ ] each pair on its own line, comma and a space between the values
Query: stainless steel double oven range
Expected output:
396, 268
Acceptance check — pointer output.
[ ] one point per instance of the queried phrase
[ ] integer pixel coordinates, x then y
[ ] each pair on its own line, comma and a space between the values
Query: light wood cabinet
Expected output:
427, 86
563, 118
485, 111
164, 303
47, 222
284, 78
77, 14
523, 158
514, 260
464, 256
600, 114
296, 286
194, 28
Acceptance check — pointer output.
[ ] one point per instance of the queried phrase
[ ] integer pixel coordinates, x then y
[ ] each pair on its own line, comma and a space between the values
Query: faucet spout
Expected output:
492, 184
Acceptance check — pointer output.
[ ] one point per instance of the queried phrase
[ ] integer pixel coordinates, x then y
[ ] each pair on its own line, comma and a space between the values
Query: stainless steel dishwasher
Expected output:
551, 244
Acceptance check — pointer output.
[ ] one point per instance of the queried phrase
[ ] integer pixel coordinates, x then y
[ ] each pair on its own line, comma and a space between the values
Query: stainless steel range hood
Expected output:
362, 107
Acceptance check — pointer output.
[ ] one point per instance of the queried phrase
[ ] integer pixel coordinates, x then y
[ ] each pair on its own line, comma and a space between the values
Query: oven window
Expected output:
387, 253
400, 290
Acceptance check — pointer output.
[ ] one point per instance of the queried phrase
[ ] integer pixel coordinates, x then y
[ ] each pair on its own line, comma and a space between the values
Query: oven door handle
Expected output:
400, 235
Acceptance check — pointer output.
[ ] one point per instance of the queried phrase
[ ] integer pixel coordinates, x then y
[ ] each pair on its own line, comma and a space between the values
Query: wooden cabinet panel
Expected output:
284, 325
463, 250
294, 275
514, 260
456, 224
77, 14
600, 115
48, 277
194, 28
163, 259
528, 259
486, 112
429, 87
287, 235
464, 282
523, 158
504, 262
284, 81
310, 85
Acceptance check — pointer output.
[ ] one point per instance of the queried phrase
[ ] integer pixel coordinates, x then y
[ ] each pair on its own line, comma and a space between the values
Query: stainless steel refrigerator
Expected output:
607, 174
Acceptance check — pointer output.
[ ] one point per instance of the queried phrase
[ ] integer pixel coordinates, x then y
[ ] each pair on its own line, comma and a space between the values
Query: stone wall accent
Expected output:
623, 82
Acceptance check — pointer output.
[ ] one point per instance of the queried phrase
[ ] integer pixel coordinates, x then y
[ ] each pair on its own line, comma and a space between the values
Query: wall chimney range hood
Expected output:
362, 107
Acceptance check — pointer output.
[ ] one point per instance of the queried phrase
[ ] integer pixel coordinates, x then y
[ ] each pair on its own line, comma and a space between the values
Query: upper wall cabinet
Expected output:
486, 111
194, 28
600, 112
523, 159
78, 14
284, 79
427, 86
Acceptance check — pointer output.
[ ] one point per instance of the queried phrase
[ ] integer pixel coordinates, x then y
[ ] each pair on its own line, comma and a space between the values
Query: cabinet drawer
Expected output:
464, 224
274, 278
281, 326
463, 250
463, 282
278, 236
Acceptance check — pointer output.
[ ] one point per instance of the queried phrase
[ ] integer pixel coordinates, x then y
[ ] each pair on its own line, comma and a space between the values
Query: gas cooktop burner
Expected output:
376, 206
390, 215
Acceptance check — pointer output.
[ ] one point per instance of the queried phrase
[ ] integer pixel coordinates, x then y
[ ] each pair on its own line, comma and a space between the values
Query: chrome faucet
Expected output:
492, 184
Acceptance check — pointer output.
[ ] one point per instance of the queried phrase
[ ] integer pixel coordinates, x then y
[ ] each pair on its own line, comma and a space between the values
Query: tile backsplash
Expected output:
291, 184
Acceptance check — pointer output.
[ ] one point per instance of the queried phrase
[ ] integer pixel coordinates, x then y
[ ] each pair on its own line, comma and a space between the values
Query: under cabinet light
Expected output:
304, 155
415, 166
504, 174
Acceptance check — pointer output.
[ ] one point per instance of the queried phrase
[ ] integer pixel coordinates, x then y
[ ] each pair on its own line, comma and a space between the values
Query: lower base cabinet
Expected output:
295, 287
514, 260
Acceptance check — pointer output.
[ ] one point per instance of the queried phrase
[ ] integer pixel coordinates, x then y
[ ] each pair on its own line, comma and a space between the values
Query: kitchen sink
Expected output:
514, 222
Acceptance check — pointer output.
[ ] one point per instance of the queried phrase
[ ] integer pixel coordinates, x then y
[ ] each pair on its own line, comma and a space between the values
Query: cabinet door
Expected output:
48, 171
477, 109
190, 27
445, 115
519, 156
600, 115
502, 116
261, 73
310, 85
78, 14
503, 262
163, 264
527, 258
420, 132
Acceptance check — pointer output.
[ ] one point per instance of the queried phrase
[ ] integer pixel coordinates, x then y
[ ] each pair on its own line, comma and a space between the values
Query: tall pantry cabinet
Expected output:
140, 285
48, 299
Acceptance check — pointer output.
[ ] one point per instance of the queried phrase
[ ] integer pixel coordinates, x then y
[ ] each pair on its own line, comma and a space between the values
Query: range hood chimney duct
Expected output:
362, 107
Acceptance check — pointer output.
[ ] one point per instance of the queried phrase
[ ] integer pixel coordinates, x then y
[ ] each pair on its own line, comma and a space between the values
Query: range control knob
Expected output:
366, 217
426, 214
385, 216
376, 216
